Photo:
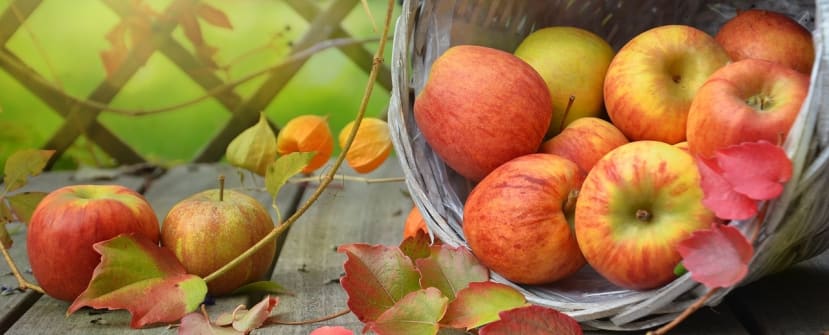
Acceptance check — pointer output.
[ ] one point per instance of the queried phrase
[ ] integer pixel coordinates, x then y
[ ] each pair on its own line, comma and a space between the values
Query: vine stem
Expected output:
329, 176
274, 320
754, 234
22, 282
350, 178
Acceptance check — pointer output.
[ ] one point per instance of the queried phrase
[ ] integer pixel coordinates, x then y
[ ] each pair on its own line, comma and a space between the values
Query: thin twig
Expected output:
686, 313
21, 282
275, 320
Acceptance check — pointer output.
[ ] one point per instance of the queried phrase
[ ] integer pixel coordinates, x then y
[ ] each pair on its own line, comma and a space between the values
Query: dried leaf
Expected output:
307, 133
265, 286
5, 212
214, 16
417, 313
249, 320
328, 330
196, 324
755, 169
376, 277
147, 280
532, 320
716, 257
283, 169
5, 238
190, 25
24, 204
480, 303
719, 196
254, 148
416, 247
22, 164
371, 145
450, 269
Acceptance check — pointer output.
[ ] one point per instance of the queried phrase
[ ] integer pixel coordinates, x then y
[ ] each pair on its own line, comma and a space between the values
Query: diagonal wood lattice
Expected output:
82, 119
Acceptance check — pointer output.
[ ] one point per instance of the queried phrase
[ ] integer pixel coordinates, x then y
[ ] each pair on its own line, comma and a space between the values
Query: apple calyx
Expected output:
760, 102
643, 215
221, 187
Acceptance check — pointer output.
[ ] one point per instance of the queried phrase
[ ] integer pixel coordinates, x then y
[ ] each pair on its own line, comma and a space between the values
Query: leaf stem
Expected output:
274, 320
22, 282
329, 176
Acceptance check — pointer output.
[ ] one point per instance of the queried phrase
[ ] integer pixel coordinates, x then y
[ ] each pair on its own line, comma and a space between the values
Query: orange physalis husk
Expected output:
307, 133
371, 146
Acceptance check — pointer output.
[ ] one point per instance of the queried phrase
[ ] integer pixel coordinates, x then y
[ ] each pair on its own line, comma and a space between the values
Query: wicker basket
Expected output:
796, 226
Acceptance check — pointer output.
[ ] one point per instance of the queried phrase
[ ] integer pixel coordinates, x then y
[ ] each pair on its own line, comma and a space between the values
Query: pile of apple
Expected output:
607, 178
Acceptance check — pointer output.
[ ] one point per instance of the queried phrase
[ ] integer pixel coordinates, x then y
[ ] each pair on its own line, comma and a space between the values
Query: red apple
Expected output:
68, 221
209, 229
516, 220
634, 207
585, 141
745, 101
481, 107
768, 35
651, 81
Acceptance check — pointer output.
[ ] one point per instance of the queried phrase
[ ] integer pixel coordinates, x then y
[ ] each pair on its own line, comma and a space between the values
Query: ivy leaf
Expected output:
265, 286
480, 303
284, 168
417, 313
254, 149
532, 320
716, 257
22, 164
328, 330
755, 169
417, 246
24, 204
450, 270
214, 16
376, 277
147, 280
196, 324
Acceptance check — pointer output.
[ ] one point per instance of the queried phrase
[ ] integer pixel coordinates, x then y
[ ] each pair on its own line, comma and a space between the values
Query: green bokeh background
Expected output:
63, 40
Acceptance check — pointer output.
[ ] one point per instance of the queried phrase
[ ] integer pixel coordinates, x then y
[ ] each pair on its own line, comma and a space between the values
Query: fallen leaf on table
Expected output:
532, 320
480, 304
415, 314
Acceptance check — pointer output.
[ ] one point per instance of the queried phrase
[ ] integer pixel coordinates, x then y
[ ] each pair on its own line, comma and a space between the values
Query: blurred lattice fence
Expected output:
81, 116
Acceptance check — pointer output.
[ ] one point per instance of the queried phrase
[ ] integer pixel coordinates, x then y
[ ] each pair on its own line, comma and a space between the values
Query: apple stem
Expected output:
643, 215
221, 187
570, 203
566, 111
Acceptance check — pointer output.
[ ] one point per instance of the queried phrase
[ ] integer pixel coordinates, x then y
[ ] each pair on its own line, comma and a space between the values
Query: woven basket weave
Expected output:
797, 224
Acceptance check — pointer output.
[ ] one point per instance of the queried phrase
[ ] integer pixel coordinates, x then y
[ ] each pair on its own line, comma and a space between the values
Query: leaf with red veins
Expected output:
196, 324
480, 303
328, 330
417, 313
147, 280
532, 320
376, 277
450, 269
719, 195
716, 257
755, 169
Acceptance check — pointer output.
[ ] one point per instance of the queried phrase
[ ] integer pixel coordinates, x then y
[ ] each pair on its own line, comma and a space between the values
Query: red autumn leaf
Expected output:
755, 169
416, 247
328, 330
716, 257
147, 280
719, 196
196, 324
214, 16
450, 269
417, 313
532, 320
480, 303
376, 277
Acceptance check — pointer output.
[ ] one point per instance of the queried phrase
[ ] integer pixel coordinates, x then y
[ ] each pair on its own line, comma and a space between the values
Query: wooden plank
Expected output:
15, 14
12, 306
795, 301
47, 314
347, 212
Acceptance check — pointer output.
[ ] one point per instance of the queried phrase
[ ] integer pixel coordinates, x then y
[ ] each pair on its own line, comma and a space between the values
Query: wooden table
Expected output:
793, 302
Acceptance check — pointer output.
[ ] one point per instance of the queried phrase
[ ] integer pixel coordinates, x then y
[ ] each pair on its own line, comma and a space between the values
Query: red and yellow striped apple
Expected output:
653, 79
585, 141
481, 107
68, 221
516, 220
745, 101
635, 206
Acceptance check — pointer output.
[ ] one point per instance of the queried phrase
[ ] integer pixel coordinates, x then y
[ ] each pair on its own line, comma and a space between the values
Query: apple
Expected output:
635, 206
209, 229
516, 220
585, 141
768, 35
653, 78
481, 107
745, 101
69, 220
573, 63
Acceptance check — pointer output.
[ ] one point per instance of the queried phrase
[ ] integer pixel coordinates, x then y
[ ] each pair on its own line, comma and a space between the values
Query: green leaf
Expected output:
376, 277
416, 247
450, 269
284, 168
24, 204
417, 313
480, 303
23, 164
147, 280
265, 286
